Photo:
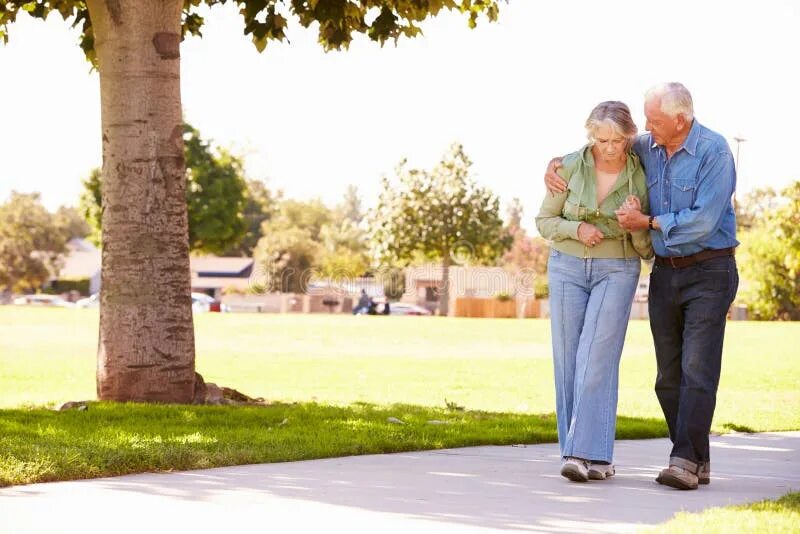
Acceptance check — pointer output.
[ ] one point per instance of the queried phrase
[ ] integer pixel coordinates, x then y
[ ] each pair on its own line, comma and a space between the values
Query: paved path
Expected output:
470, 490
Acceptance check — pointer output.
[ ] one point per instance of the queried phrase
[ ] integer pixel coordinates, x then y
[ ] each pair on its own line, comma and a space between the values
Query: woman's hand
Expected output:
589, 235
632, 203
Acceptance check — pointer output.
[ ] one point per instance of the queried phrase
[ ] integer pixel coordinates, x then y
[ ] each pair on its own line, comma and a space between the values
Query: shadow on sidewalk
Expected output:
515, 487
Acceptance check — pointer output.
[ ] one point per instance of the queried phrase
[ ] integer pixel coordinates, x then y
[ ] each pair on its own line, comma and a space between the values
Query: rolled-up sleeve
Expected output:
715, 183
551, 224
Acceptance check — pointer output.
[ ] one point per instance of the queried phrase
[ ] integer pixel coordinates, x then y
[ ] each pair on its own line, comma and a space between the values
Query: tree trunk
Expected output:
146, 345
444, 294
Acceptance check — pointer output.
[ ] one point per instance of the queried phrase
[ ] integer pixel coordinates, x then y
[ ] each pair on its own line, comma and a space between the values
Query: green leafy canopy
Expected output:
267, 20
31, 243
770, 258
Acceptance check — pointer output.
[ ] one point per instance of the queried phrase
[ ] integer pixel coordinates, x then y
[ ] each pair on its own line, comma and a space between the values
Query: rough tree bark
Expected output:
146, 345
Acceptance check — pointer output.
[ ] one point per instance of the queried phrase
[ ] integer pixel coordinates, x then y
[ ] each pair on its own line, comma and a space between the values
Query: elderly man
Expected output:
690, 179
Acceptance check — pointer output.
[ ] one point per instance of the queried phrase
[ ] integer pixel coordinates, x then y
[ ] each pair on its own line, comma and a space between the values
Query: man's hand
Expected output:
632, 219
589, 235
555, 183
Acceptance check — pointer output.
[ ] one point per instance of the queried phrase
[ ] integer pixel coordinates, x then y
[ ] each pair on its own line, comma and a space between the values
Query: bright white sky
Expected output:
514, 93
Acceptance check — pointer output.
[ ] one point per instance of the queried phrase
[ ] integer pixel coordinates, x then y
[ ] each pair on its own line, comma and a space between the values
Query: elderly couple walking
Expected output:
620, 198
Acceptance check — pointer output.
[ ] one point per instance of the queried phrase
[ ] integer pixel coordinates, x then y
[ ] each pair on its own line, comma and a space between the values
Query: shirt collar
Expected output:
588, 158
690, 143
586, 155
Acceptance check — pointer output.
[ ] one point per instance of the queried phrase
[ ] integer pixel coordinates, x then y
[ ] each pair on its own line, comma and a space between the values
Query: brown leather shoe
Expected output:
678, 478
704, 473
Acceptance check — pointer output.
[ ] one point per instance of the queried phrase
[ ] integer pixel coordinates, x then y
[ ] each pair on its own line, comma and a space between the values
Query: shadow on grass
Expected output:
733, 427
789, 502
40, 445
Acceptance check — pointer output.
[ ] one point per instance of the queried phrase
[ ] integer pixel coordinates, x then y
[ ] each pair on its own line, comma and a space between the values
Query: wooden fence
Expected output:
493, 307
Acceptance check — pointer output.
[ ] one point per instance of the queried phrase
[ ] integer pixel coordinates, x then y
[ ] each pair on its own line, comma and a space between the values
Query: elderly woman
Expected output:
593, 271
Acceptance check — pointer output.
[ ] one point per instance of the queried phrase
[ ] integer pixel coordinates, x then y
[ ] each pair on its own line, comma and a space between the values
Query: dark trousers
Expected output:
688, 309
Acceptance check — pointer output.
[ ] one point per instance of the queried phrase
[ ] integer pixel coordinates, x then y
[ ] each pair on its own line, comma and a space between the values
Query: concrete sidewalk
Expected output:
471, 490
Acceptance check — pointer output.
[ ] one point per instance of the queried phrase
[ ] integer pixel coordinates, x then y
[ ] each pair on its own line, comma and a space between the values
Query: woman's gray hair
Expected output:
614, 114
675, 99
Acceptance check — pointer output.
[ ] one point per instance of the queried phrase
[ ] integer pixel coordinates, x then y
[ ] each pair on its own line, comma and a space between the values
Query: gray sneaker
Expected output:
678, 478
575, 469
600, 471
704, 473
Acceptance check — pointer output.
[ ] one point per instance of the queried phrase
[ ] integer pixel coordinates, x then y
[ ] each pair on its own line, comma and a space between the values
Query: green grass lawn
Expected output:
334, 381
503, 365
113, 439
770, 517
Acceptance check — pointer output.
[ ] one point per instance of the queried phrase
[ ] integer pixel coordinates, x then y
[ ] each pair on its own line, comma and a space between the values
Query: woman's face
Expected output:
609, 144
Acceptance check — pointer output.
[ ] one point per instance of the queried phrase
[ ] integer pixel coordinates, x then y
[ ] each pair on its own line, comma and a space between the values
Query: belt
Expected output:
679, 262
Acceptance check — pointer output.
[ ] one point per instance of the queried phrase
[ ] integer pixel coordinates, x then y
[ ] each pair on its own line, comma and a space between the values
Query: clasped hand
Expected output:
630, 216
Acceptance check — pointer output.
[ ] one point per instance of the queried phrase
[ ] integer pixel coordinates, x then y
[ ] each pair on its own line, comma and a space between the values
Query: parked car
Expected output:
40, 299
206, 303
200, 303
92, 301
405, 308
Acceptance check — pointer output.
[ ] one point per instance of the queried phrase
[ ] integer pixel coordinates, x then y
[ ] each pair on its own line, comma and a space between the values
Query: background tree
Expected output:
72, 223
770, 259
309, 237
146, 346
527, 257
311, 215
31, 243
216, 196
350, 208
393, 280
90, 205
344, 247
754, 206
442, 214
290, 247
260, 206
343, 251
285, 260
515, 212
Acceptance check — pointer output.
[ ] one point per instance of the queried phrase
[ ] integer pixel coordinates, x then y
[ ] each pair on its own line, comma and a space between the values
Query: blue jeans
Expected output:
688, 310
590, 303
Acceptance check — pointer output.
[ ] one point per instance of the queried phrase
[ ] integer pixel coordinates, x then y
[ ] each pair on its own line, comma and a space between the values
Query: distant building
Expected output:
212, 274
423, 284
82, 262
209, 274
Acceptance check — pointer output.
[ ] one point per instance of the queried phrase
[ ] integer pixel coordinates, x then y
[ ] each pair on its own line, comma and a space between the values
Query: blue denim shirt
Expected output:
690, 193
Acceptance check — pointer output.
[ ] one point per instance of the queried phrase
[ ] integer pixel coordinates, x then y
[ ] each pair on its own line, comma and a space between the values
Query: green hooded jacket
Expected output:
562, 213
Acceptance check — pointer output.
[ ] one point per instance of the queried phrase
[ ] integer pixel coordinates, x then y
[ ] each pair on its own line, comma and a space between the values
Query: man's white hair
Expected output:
675, 99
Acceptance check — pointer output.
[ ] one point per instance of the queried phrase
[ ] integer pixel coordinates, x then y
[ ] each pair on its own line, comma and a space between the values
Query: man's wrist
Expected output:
641, 222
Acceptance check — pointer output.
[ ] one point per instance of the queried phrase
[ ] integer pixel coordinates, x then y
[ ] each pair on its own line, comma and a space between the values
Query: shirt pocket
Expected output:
682, 193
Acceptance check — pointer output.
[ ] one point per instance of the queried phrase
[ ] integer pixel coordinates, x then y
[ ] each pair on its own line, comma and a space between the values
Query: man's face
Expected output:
661, 126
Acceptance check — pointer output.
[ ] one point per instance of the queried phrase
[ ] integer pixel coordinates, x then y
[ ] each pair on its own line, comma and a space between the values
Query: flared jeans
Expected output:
590, 304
